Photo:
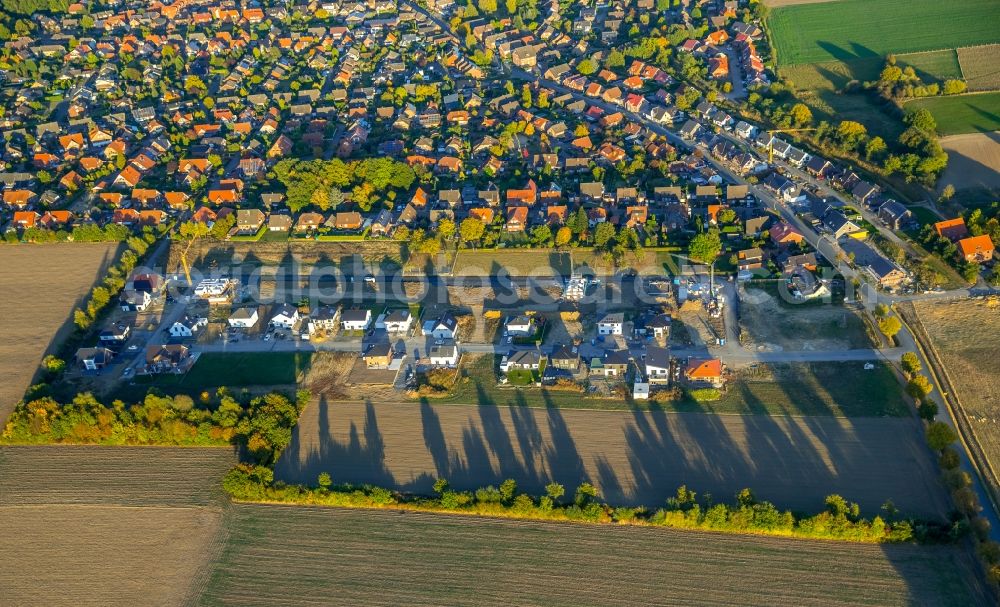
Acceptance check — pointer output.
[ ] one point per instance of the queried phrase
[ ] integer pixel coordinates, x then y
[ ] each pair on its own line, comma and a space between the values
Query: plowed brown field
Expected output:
41, 286
314, 556
634, 457
108, 525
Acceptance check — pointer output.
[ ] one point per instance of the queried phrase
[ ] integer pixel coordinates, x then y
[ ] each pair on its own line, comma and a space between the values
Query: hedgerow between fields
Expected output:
840, 520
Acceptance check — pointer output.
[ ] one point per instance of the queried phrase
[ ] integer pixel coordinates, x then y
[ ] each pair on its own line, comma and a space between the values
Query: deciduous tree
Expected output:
705, 247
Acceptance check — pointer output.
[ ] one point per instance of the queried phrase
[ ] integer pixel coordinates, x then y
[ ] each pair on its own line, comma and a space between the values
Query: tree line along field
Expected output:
848, 29
278, 555
930, 66
964, 334
35, 278
633, 457
109, 525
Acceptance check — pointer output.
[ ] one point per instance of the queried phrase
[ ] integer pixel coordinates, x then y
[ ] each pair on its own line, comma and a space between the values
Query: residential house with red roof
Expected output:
976, 249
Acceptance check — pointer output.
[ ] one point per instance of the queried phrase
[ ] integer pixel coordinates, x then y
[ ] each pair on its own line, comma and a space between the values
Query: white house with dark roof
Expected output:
187, 326
443, 327
611, 324
355, 320
285, 316
397, 321
243, 318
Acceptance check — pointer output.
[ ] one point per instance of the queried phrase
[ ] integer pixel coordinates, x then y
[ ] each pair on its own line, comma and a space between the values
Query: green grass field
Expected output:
851, 29
957, 114
214, 370
935, 66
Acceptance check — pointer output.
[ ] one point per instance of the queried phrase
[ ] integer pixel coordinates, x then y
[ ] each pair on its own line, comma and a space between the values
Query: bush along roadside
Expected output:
965, 520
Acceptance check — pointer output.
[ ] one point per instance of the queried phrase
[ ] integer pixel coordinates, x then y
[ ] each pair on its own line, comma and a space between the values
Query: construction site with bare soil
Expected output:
769, 323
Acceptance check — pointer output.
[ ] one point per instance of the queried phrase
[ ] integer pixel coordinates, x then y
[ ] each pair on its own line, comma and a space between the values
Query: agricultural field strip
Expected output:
973, 160
958, 114
981, 66
633, 457
963, 349
848, 29
50, 292
161, 509
303, 555
129, 476
148, 555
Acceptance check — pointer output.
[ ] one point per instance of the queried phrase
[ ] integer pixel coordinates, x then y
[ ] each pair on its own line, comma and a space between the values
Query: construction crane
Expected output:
770, 144
198, 230
184, 261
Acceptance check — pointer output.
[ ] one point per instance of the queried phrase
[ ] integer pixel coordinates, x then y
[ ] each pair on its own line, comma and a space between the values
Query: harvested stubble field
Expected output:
633, 457
973, 161
303, 555
50, 281
981, 66
104, 555
109, 525
965, 335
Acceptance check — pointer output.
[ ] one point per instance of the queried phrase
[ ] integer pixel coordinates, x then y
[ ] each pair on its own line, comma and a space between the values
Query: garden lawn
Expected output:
245, 369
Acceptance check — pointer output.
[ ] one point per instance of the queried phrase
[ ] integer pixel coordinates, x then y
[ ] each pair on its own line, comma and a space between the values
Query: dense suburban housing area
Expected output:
656, 266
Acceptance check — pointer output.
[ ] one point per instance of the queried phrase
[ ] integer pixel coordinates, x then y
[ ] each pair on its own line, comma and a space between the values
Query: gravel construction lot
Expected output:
109, 525
314, 556
36, 278
633, 457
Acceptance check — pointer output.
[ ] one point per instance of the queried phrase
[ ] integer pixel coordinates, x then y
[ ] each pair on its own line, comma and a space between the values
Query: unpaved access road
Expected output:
632, 457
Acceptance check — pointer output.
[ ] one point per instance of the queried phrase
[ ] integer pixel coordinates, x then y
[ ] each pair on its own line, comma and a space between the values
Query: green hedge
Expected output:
840, 520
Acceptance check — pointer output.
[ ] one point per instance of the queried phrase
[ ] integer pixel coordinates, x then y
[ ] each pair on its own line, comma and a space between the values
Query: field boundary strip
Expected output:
940, 376
972, 80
